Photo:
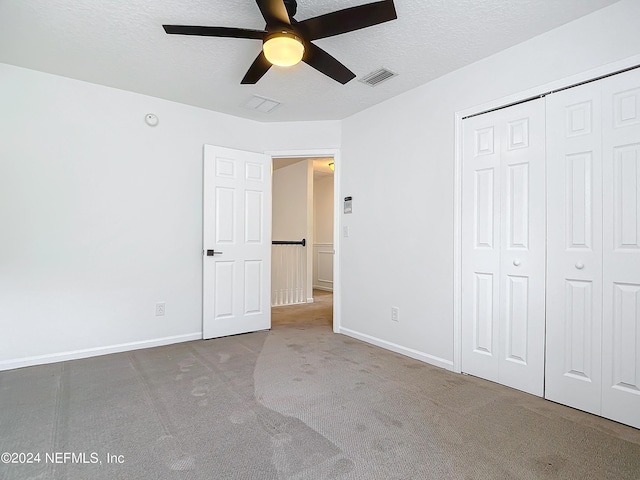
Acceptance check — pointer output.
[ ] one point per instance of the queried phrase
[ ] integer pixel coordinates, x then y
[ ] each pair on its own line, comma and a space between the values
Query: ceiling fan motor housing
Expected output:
292, 7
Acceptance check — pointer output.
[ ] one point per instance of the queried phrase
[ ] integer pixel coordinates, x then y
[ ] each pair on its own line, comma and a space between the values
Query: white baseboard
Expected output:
94, 352
324, 289
409, 352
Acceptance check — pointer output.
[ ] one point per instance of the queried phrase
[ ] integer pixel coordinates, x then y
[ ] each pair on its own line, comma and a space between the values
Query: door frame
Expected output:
460, 115
335, 154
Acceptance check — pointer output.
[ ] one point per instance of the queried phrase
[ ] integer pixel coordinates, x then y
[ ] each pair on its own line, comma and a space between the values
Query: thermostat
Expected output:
348, 205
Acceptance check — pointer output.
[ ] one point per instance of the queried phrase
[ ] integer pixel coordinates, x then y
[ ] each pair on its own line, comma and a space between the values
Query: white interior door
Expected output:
522, 270
621, 248
593, 310
503, 246
574, 248
237, 242
481, 246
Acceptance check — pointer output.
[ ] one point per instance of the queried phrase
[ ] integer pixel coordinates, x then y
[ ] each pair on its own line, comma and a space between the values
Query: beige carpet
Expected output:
298, 402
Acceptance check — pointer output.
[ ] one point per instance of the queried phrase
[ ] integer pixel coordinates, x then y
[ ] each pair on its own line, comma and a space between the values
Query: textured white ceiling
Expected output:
121, 43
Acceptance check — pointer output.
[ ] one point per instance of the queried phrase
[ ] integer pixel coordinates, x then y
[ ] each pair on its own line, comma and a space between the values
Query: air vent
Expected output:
377, 77
261, 104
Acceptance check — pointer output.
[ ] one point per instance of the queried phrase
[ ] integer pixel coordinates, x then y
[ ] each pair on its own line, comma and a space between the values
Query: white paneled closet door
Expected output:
621, 248
503, 246
574, 248
593, 248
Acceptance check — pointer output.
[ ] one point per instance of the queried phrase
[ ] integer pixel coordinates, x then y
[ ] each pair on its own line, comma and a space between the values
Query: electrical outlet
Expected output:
160, 308
395, 314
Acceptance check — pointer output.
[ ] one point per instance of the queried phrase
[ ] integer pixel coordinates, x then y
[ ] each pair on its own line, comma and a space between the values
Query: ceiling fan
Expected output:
285, 41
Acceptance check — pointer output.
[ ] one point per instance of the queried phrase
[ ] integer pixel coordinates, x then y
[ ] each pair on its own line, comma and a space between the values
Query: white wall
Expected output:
323, 209
398, 164
292, 214
289, 211
101, 215
323, 232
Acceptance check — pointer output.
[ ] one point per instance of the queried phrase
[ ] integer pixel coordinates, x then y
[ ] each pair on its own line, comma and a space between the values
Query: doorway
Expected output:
321, 250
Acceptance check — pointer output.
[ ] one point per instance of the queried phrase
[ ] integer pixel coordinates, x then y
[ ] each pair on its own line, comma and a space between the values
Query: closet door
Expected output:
503, 222
621, 245
574, 248
522, 266
481, 245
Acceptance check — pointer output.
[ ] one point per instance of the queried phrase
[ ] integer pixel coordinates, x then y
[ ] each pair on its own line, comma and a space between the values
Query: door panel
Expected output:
574, 248
237, 227
503, 246
517, 319
483, 314
481, 248
579, 208
518, 217
522, 275
621, 248
484, 208
578, 327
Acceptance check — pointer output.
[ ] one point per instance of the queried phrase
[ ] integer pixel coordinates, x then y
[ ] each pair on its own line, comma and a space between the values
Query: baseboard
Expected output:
324, 289
94, 352
409, 352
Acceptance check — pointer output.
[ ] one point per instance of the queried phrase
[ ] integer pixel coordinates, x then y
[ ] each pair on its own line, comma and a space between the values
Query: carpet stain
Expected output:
341, 467
185, 365
387, 420
240, 417
383, 444
296, 446
295, 347
548, 464
308, 369
200, 387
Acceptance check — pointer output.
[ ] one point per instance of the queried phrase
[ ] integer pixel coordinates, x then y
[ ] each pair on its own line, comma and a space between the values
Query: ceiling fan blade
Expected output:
258, 68
347, 20
214, 31
274, 12
325, 63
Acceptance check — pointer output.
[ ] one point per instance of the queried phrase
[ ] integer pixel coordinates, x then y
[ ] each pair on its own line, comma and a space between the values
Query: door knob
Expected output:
579, 265
516, 262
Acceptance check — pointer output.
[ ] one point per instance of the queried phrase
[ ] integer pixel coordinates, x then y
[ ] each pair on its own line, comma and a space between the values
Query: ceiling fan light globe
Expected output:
283, 49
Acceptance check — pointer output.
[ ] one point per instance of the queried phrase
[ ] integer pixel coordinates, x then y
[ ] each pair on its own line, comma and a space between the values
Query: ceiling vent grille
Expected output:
261, 104
377, 77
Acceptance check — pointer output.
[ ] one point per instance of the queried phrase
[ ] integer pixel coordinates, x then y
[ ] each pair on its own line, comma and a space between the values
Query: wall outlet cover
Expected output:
160, 309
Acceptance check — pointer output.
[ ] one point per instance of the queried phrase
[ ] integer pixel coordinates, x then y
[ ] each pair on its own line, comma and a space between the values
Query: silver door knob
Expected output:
516, 262
579, 265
